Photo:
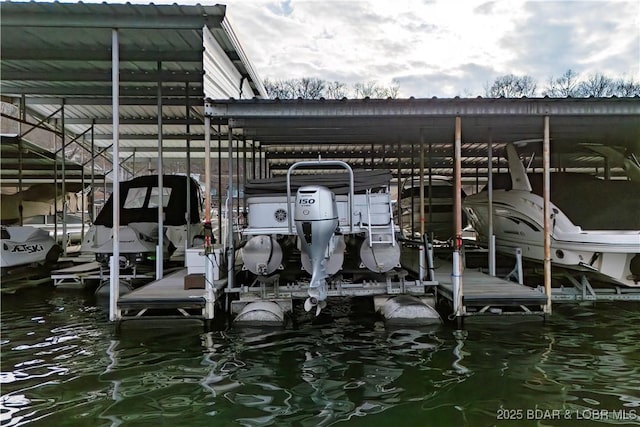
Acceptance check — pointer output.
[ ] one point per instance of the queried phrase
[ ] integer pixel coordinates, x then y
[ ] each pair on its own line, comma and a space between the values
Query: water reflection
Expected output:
63, 363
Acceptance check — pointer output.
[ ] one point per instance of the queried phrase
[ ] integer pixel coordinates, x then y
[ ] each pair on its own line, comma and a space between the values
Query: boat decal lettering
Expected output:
30, 249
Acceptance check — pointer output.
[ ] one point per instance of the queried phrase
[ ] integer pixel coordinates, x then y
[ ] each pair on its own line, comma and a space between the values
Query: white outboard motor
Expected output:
316, 218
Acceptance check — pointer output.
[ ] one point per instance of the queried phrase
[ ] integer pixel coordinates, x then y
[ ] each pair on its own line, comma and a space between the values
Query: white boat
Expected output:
74, 226
595, 223
139, 221
26, 246
344, 227
438, 207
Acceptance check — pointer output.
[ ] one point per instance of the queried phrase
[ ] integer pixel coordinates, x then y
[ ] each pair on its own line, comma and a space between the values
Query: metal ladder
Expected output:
380, 230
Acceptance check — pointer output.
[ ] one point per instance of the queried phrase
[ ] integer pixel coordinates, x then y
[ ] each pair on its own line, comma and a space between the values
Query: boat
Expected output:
438, 207
37, 200
343, 229
595, 226
26, 247
139, 234
75, 226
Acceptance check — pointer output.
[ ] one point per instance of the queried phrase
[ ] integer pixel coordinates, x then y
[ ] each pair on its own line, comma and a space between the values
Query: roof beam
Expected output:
126, 55
102, 76
104, 90
150, 121
147, 137
95, 100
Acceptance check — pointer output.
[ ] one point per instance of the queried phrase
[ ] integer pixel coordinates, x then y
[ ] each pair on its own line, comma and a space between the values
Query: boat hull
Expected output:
26, 246
609, 255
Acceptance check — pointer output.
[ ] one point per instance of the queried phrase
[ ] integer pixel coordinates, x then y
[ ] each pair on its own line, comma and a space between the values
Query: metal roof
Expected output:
56, 59
387, 133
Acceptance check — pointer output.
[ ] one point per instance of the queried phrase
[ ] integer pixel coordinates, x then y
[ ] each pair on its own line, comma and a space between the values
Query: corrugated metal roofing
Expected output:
56, 54
382, 133
56, 51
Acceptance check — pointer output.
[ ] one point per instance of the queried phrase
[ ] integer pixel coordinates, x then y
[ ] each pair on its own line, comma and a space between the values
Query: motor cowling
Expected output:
316, 219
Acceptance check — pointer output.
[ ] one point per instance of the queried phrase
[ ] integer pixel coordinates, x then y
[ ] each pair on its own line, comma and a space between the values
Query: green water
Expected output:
64, 364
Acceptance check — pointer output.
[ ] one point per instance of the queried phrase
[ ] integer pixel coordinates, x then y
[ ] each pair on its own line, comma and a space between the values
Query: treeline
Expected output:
314, 88
569, 84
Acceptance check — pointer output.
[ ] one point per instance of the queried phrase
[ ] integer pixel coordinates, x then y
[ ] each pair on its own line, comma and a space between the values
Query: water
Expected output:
64, 364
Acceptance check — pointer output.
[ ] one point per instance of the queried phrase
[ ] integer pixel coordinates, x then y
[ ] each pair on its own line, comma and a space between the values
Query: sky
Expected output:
440, 48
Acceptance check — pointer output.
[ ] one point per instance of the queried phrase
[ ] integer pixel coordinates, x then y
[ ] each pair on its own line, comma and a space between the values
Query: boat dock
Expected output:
170, 297
79, 275
182, 295
485, 294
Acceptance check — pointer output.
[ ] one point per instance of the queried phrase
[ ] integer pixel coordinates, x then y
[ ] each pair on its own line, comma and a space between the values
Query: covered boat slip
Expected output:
120, 84
170, 86
450, 137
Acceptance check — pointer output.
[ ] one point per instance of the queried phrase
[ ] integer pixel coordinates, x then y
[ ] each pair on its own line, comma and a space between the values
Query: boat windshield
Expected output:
153, 200
141, 197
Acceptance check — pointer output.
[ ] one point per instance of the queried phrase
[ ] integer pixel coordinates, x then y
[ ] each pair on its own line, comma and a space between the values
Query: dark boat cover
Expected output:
590, 202
175, 211
337, 182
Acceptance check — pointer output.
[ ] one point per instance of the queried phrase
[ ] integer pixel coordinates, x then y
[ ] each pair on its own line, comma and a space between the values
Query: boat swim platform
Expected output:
167, 298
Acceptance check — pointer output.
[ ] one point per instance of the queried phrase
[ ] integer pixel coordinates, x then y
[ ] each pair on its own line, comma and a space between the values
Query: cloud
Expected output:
437, 48
586, 36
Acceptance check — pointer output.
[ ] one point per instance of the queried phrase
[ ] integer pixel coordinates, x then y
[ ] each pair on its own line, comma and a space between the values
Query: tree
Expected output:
627, 88
597, 85
364, 90
336, 90
562, 87
315, 88
308, 88
278, 89
511, 86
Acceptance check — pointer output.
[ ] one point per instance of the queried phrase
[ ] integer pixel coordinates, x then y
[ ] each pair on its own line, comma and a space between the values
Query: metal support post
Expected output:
114, 311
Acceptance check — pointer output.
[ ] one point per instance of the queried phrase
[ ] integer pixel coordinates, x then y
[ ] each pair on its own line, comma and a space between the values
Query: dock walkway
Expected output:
485, 294
168, 295
81, 274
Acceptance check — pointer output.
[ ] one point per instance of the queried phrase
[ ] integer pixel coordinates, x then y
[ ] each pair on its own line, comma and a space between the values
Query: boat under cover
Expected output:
438, 207
139, 232
595, 223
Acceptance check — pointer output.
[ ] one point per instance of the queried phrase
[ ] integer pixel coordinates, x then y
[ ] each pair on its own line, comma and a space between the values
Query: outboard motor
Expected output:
316, 218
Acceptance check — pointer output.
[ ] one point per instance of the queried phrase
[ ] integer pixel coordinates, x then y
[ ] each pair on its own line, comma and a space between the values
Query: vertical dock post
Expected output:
429, 249
210, 296
519, 265
491, 236
547, 213
421, 259
456, 284
114, 312
457, 189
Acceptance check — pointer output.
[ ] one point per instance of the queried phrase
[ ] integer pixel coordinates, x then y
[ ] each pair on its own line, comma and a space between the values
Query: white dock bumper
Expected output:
407, 309
261, 313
